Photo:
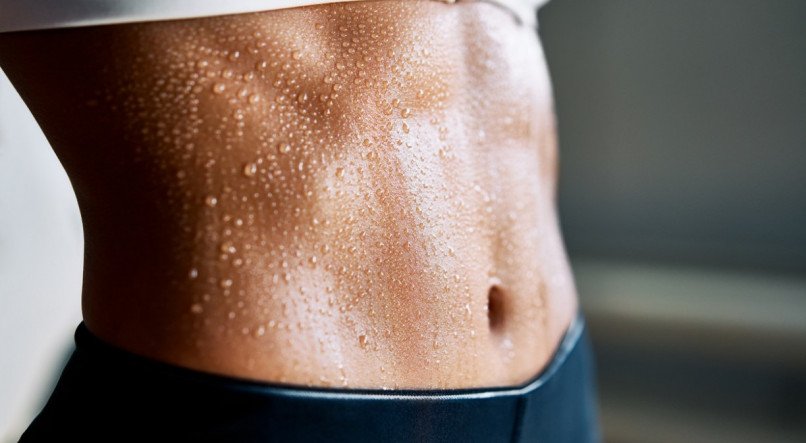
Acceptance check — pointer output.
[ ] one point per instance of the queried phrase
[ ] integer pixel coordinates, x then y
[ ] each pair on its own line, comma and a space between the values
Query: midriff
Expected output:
348, 195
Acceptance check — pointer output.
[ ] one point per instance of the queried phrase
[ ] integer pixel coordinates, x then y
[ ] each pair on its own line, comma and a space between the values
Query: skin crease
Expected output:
318, 196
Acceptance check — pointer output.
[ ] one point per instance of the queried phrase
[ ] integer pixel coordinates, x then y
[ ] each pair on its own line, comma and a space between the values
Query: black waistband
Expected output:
105, 393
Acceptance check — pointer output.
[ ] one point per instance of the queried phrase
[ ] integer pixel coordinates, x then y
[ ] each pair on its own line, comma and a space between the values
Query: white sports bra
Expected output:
26, 15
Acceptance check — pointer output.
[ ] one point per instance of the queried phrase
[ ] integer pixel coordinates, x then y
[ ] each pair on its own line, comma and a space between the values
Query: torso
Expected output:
319, 196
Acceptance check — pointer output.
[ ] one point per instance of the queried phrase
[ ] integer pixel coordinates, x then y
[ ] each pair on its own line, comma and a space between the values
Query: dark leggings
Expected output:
107, 394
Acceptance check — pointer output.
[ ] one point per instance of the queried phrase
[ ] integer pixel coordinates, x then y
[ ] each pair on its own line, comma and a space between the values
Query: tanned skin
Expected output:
349, 195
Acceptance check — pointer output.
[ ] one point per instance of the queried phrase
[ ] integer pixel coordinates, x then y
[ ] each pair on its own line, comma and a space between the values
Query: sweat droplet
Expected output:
362, 340
405, 112
193, 273
405, 128
196, 308
210, 201
283, 148
250, 169
254, 98
219, 88
339, 172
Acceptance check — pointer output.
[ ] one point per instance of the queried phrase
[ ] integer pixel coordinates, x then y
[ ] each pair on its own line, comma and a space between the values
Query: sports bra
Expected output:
27, 15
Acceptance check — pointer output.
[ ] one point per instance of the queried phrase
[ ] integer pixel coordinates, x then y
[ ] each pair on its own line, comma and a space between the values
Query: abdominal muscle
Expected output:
348, 195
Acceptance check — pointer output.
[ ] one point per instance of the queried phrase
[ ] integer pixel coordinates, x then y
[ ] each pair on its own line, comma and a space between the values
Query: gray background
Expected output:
683, 202
683, 128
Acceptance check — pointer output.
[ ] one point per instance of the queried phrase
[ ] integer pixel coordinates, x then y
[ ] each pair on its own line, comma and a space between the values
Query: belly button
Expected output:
496, 308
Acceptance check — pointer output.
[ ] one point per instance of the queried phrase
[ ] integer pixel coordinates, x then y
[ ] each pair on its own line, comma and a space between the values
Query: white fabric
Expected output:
23, 15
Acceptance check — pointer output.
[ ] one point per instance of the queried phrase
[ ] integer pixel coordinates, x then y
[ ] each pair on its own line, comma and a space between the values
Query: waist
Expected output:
353, 306
363, 203
117, 391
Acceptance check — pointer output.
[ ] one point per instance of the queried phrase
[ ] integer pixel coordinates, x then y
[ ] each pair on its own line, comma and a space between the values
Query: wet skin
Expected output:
356, 195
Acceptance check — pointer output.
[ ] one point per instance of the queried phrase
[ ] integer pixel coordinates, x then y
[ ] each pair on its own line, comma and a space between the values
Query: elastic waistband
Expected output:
107, 393
88, 342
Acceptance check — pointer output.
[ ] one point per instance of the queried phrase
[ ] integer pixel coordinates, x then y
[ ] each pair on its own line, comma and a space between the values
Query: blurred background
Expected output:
683, 202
